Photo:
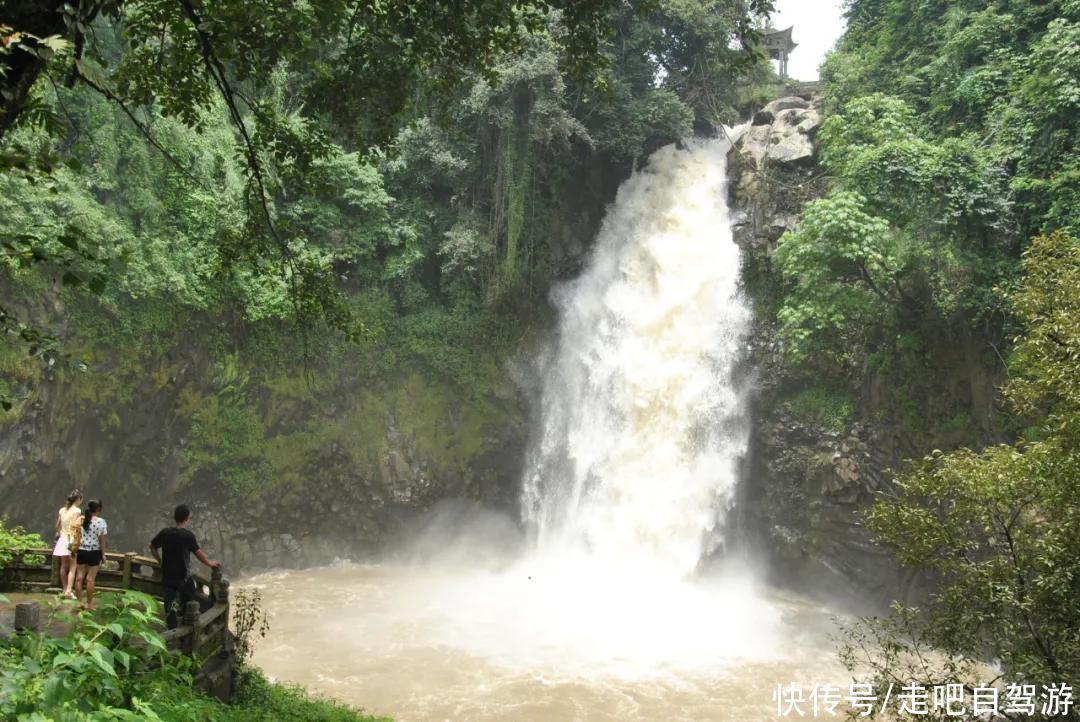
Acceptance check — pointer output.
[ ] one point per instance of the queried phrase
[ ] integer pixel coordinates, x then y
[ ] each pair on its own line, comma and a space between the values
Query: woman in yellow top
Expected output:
69, 517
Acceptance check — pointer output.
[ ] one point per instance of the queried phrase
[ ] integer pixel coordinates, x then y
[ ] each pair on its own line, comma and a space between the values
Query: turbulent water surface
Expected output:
443, 642
604, 610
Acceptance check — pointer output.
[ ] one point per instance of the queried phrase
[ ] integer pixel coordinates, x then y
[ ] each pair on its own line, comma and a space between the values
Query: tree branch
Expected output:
143, 130
216, 69
1021, 583
217, 73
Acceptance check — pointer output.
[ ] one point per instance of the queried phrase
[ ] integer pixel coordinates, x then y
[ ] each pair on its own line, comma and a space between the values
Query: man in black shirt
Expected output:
173, 547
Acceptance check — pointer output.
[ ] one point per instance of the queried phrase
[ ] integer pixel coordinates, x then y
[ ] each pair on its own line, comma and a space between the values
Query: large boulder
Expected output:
768, 114
788, 137
788, 103
774, 172
790, 148
804, 121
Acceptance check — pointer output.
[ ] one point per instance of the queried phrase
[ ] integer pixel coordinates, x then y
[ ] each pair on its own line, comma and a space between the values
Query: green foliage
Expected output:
15, 538
974, 149
314, 173
258, 700
679, 68
1044, 387
927, 186
844, 266
821, 406
916, 238
1001, 527
951, 138
1004, 73
113, 665
291, 97
443, 195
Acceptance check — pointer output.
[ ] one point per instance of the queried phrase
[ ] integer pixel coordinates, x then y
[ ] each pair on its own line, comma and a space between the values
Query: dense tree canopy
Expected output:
332, 162
1004, 73
287, 76
952, 140
397, 175
1000, 527
916, 236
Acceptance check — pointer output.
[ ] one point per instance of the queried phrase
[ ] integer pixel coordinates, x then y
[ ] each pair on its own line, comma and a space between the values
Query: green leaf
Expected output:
98, 654
54, 690
31, 665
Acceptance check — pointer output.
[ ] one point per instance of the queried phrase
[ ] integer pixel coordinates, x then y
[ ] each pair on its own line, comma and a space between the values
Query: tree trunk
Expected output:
19, 69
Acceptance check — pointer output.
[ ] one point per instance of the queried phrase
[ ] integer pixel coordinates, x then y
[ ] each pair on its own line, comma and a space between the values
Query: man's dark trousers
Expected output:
183, 592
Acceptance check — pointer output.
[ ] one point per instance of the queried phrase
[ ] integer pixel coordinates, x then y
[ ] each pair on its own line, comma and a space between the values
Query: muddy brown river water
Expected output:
430, 643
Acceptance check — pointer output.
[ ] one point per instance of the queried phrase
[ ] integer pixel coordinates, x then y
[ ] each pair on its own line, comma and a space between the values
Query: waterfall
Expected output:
630, 477
635, 463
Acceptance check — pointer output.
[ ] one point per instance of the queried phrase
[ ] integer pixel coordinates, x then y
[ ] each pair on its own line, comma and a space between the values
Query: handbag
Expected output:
75, 534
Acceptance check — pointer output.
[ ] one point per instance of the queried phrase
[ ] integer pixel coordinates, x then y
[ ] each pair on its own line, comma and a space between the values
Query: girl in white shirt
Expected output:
91, 550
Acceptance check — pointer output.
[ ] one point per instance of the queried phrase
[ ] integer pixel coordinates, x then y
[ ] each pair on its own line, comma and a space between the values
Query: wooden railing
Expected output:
202, 633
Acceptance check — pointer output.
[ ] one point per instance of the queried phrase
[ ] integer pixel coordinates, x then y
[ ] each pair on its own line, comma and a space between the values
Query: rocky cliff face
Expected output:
774, 172
821, 454
335, 470
807, 479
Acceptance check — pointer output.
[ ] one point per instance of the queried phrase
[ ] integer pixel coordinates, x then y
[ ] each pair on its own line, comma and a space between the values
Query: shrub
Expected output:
818, 405
15, 538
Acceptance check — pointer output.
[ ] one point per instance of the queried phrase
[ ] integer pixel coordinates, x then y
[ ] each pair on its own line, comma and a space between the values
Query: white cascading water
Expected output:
641, 423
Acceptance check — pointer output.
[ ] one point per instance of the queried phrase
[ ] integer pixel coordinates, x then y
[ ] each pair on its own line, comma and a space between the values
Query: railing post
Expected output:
191, 619
219, 588
27, 617
215, 586
54, 572
129, 561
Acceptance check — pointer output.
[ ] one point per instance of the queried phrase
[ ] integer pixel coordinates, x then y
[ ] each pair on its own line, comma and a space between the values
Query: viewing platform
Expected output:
203, 631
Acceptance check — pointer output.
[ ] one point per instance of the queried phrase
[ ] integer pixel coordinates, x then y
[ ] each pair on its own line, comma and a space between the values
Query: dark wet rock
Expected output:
807, 483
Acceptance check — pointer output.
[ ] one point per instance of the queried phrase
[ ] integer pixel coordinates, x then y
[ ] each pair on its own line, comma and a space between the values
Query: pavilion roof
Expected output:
780, 38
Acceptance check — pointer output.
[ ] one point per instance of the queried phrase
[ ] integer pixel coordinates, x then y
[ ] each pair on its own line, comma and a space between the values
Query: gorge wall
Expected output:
328, 454
820, 454
334, 467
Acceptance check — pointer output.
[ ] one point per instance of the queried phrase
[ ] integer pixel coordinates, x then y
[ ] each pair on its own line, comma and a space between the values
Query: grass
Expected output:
259, 700
822, 407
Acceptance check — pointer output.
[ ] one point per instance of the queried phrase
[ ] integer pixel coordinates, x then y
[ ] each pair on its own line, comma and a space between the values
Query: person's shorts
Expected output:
88, 557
